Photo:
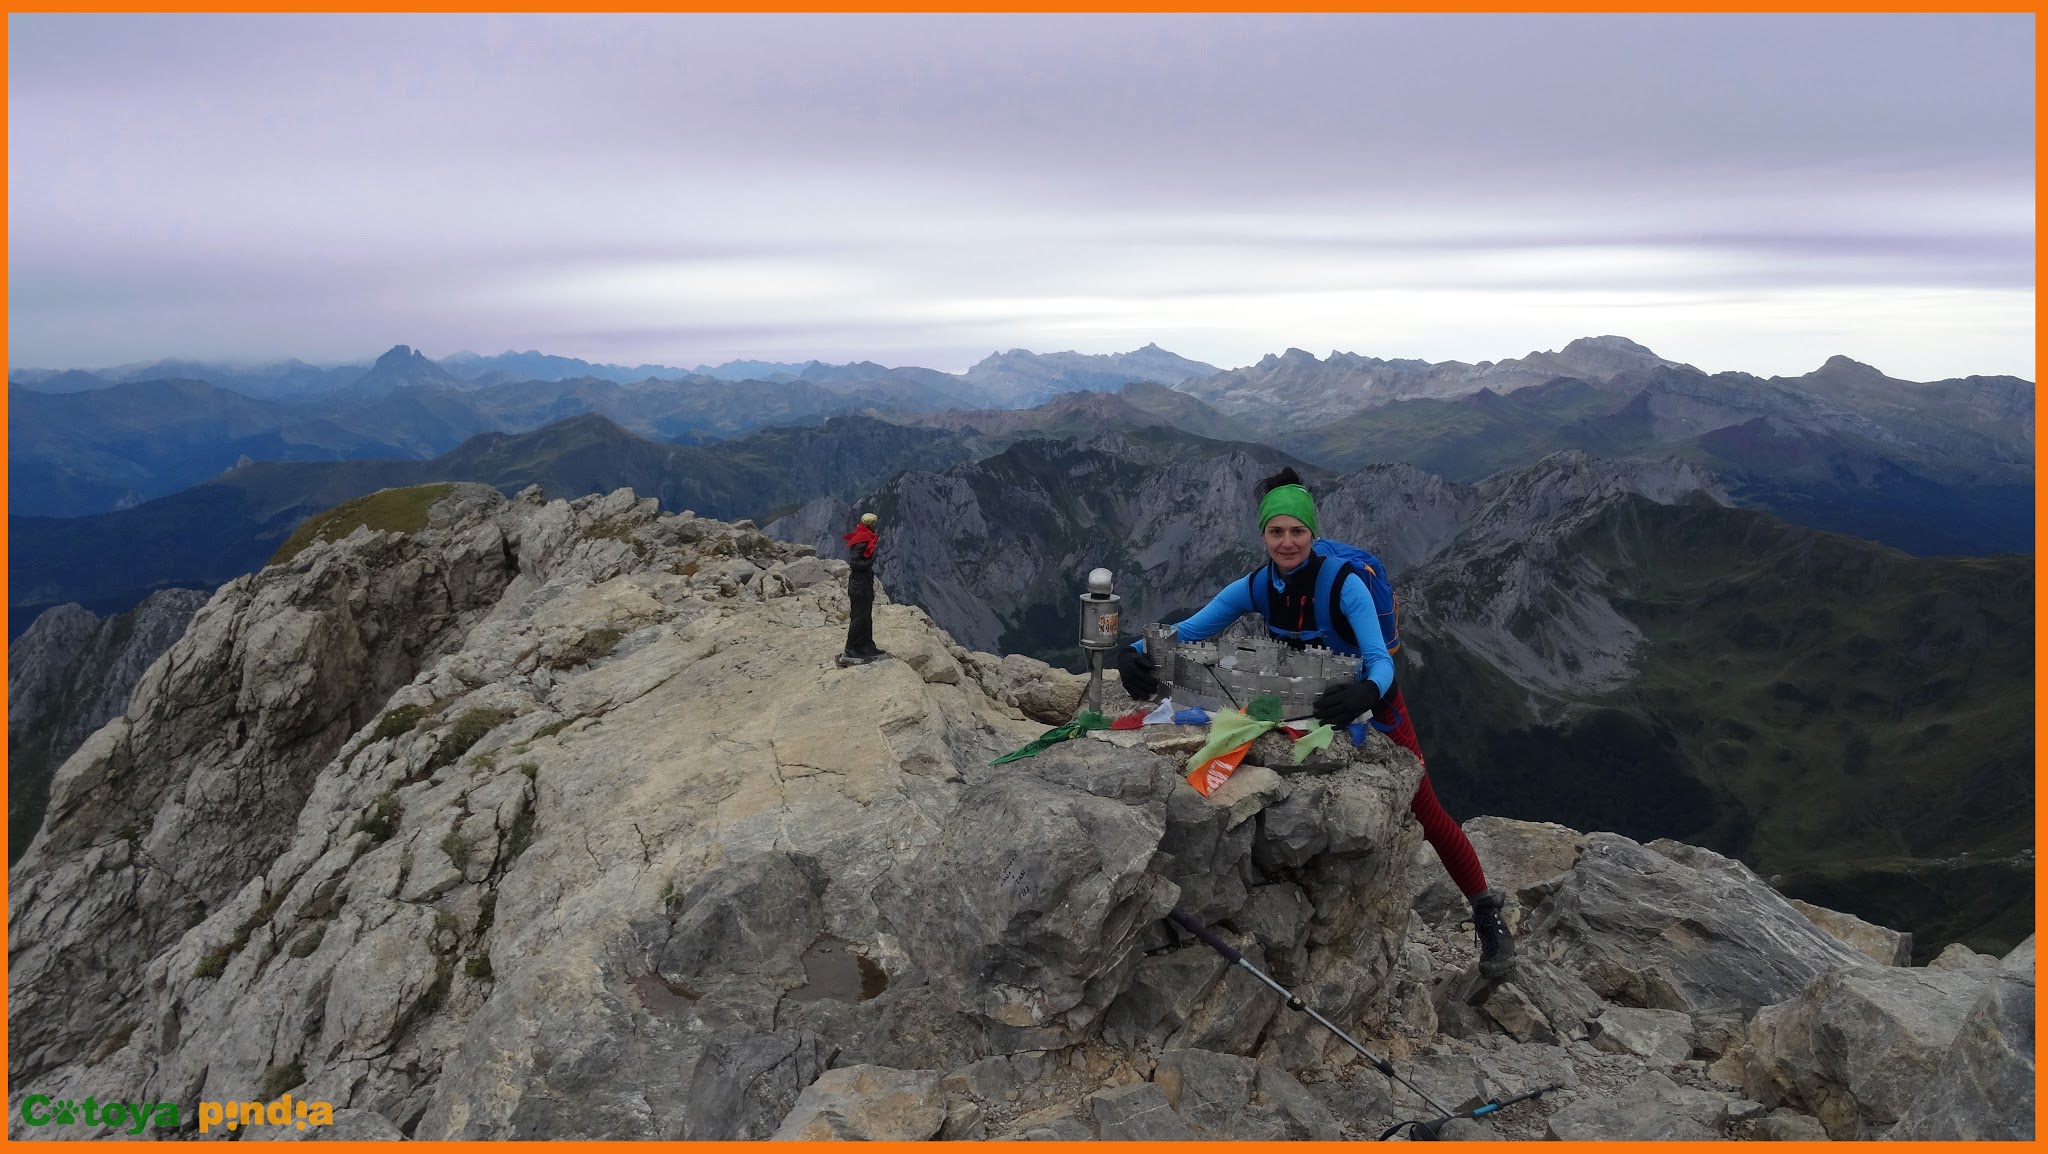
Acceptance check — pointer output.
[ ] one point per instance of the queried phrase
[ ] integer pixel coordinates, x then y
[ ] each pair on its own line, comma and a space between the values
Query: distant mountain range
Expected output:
1004, 379
1930, 468
1018, 378
1938, 468
80, 444
1295, 391
1944, 467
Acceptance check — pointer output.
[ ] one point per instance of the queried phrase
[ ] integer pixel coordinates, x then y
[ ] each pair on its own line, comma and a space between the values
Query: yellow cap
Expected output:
868, 518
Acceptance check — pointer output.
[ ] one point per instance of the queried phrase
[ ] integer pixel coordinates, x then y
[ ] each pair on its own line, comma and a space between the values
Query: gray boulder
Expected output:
1787, 1125
751, 919
1061, 850
1138, 1112
1674, 927
1957, 956
745, 1088
1225, 1096
1883, 946
1663, 1038
867, 1104
1983, 1087
1858, 1045
354, 1126
1651, 1109
1209, 1091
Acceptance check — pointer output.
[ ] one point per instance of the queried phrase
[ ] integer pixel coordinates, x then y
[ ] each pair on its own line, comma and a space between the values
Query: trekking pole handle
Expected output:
1208, 936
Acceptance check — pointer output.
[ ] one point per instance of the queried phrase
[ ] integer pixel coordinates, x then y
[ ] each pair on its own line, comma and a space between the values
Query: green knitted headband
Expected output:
1291, 500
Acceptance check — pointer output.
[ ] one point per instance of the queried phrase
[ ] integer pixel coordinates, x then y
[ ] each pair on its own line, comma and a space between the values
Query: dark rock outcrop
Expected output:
68, 674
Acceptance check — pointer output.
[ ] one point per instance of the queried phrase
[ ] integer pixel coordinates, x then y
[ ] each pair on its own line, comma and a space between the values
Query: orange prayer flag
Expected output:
1212, 773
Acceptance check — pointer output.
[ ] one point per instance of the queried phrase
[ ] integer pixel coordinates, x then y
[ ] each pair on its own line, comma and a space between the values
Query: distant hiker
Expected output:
860, 593
1302, 602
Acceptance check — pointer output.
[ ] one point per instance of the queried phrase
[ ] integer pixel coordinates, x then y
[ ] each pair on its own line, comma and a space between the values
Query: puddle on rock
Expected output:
834, 971
660, 997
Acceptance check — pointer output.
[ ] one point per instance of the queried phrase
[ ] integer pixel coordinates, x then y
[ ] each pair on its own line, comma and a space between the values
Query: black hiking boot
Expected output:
1496, 945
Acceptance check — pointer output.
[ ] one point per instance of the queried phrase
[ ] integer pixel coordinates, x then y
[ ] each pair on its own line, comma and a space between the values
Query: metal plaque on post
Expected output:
1100, 608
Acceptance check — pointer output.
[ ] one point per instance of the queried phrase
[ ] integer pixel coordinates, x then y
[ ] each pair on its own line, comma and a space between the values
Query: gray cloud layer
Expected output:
1737, 191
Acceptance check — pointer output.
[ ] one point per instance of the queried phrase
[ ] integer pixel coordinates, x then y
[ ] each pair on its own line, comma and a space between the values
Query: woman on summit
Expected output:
1287, 525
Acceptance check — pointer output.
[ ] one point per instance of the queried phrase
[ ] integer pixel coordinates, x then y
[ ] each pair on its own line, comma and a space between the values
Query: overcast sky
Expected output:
1753, 192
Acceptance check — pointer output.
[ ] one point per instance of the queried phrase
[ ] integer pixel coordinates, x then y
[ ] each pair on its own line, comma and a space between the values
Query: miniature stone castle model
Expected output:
1244, 660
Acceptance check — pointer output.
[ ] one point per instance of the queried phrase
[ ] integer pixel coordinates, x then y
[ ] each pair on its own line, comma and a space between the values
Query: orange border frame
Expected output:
1187, 6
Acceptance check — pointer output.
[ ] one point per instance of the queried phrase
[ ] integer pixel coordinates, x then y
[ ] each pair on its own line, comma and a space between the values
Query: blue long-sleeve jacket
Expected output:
1353, 600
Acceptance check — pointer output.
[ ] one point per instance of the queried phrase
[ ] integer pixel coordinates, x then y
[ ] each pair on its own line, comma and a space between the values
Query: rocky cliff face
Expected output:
69, 673
997, 549
556, 820
1506, 589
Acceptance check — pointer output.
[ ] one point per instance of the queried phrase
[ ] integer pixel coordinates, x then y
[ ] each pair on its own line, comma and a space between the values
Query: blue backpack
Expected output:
1329, 628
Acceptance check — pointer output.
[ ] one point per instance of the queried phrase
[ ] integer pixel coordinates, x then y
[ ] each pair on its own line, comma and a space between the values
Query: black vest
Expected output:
1294, 607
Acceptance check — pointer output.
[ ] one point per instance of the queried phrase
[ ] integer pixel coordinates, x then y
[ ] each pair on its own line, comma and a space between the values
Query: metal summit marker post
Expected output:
1099, 609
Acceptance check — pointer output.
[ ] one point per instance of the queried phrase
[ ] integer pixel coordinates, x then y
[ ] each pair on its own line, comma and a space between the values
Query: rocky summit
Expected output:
557, 820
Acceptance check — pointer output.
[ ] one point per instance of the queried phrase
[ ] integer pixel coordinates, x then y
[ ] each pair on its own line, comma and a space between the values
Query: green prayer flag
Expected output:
1227, 731
1316, 738
1089, 719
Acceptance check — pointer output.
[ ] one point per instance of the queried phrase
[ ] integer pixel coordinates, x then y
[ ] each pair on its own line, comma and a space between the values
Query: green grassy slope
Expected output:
1832, 711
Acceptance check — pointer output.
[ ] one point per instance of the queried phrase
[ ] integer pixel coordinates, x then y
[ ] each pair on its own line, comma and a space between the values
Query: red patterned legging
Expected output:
1452, 847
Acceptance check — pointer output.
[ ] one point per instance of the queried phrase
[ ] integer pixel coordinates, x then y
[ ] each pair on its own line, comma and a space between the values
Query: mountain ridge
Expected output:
543, 820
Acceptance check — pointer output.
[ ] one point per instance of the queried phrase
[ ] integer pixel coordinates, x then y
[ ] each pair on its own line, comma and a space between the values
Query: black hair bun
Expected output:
1285, 476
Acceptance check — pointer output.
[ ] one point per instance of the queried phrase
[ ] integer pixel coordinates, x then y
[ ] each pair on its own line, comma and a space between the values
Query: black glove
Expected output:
1139, 673
1341, 702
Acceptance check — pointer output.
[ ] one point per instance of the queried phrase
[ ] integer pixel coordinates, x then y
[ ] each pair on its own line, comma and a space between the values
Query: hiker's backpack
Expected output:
1328, 625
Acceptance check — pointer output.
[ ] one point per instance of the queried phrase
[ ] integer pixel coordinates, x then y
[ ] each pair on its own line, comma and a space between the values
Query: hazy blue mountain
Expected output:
56, 380
213, 532
907, 389
1989, 418
403, 367
1293, 391
1020, 378
74, 454
278, 380
70, 454
532, 365
753, 370
1928, 469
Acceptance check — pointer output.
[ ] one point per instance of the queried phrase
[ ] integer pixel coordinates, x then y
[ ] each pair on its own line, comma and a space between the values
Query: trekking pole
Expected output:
1231, 697
1208, 938
1428, 1131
